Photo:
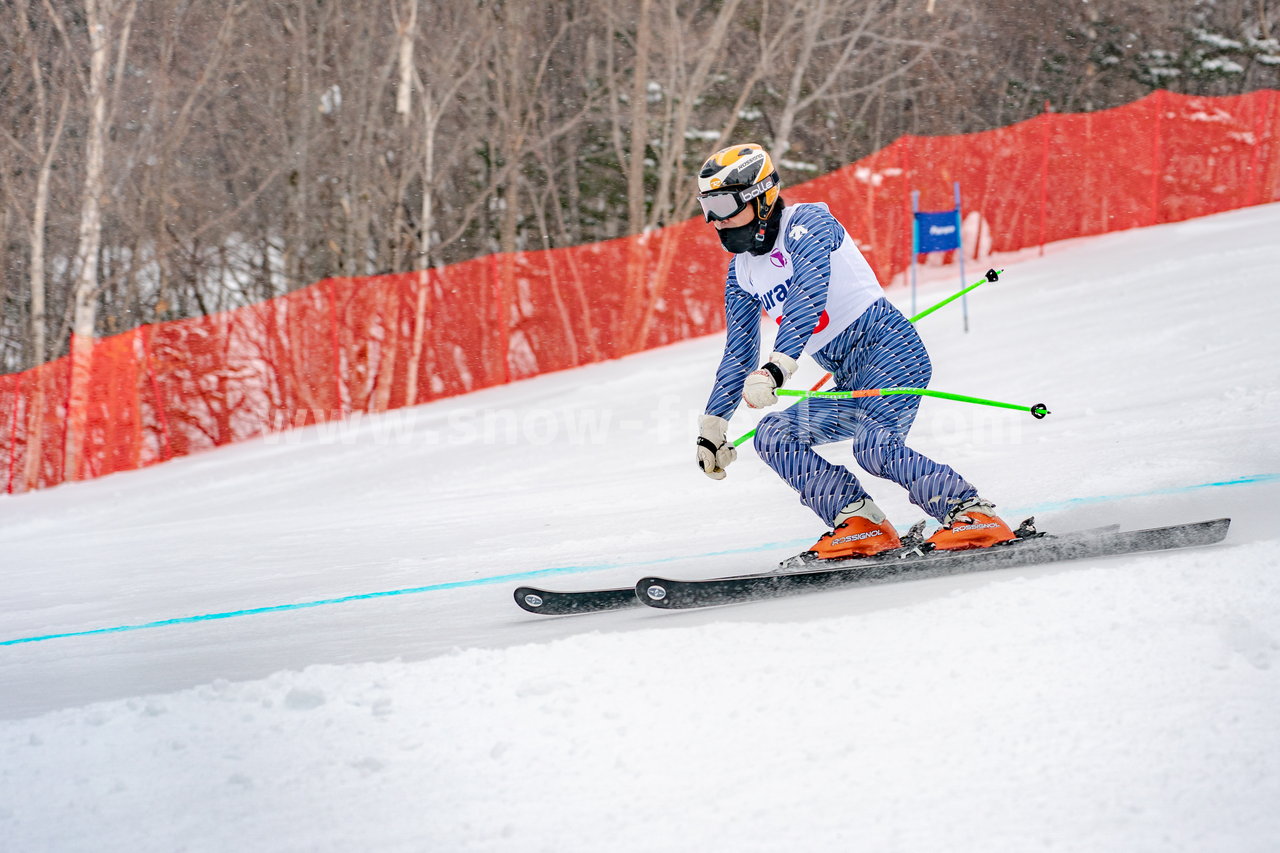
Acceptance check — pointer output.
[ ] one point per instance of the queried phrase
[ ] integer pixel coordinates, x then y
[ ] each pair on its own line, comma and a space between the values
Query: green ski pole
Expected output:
1038, 411
991, 275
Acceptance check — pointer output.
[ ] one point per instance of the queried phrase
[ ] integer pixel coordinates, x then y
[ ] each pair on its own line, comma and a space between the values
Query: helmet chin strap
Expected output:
762, 224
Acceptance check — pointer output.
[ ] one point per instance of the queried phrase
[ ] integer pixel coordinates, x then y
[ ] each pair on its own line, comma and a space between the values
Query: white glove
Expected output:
761, 388
714, 450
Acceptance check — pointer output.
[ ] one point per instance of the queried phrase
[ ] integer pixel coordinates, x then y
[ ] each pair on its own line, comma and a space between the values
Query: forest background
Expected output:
162, 159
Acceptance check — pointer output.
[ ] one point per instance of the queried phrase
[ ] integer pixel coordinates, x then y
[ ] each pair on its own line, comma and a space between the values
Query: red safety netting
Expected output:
373, 344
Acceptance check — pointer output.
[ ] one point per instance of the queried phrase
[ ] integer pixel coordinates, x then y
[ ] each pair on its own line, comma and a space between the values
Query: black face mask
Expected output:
738, 240
743, 238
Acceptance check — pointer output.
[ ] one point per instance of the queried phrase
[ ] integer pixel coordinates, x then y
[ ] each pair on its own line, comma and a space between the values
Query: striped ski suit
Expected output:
827, 303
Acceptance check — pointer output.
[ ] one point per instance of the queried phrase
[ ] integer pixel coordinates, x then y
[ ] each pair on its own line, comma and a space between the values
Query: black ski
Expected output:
548, 602
668, 594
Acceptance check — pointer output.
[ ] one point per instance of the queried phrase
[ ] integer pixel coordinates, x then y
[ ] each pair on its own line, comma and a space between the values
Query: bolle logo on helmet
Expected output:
759, 189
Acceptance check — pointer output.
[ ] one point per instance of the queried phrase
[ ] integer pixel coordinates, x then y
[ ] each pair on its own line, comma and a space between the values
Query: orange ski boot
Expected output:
861, 530
972, 524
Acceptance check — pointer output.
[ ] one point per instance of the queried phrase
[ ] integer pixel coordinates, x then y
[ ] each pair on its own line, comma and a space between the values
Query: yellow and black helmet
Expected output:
734, 177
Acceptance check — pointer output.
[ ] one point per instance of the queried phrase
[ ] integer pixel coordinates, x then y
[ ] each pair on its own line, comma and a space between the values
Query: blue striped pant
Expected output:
880, 350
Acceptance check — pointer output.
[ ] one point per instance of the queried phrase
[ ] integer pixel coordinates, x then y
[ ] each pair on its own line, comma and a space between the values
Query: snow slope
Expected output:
340, 665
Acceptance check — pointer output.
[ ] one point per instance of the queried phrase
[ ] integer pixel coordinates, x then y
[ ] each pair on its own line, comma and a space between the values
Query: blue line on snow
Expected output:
1172, 490
568, 570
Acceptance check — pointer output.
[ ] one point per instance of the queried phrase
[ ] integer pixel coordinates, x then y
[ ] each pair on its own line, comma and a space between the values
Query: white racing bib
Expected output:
853, 287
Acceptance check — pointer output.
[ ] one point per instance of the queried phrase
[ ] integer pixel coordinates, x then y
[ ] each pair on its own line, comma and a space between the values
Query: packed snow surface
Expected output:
339, 664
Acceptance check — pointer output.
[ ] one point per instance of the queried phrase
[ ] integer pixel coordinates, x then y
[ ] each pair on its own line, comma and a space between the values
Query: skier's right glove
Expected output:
714, 450
761, 388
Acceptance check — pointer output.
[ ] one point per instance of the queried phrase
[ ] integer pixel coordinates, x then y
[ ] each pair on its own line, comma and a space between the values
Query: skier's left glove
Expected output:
761, 388
714, 450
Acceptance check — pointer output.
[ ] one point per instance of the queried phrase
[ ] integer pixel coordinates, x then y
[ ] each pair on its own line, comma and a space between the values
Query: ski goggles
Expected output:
726, 204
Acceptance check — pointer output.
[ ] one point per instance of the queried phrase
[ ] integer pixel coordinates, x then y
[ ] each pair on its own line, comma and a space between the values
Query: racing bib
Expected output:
853, 286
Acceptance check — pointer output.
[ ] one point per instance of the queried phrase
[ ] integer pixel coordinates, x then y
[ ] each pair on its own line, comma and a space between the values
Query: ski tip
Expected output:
530, 599
545, 602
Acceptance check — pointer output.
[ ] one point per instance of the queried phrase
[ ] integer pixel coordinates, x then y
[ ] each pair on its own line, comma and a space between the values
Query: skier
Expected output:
800, 265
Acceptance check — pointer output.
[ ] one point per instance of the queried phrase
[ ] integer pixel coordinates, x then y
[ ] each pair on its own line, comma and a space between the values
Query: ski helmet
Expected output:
734, 177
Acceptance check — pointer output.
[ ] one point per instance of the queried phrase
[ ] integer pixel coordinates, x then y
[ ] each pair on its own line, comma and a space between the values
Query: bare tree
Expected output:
42, 52
45, 50
109, 23
639, 121
457, 49
695, 40
838, 51
258, 147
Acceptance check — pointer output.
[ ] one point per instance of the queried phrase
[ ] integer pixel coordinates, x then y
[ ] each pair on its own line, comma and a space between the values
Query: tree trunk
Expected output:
404, 92
84, 293
425, 223
639, 124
